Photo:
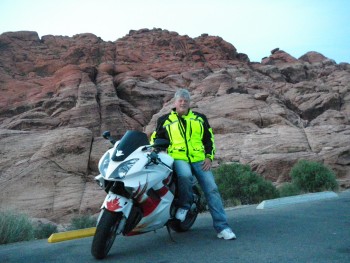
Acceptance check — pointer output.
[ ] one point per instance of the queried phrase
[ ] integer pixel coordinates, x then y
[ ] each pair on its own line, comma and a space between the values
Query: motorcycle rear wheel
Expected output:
184, 226
105, 234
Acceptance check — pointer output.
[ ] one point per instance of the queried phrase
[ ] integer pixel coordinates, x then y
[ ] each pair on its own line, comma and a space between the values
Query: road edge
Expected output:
278, 202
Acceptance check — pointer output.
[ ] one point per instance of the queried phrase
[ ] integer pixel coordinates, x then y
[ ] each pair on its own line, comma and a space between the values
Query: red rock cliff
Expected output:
59, 93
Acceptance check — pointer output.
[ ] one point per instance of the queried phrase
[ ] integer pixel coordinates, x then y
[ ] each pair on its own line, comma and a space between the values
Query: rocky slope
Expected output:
59, 93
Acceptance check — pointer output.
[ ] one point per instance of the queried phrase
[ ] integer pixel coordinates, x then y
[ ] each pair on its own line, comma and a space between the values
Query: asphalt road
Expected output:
317, 231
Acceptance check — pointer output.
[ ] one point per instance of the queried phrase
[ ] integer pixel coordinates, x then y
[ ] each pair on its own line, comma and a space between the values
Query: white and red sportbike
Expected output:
141, 191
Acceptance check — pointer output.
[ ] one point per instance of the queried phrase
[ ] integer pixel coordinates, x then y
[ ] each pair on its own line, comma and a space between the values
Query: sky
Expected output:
254, 27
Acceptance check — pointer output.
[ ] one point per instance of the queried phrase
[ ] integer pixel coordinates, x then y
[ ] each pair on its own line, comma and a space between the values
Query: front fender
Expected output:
117, 203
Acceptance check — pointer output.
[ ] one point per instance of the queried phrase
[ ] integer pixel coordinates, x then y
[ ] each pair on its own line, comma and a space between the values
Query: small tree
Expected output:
237, 182
312, 176
289, 189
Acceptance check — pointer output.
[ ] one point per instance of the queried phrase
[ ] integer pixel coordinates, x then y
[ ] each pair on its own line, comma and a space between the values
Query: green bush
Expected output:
82, 221
44, 231
312, 176
15, 227
238, 184
289, 189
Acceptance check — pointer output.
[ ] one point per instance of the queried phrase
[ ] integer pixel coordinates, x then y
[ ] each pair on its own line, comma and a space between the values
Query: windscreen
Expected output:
129, 143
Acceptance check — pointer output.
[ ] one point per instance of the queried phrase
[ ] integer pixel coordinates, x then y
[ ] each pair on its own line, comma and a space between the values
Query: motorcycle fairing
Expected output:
117, 203
157, 215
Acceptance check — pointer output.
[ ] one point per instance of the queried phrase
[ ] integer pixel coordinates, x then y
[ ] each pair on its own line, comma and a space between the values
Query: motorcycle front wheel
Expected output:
105, 233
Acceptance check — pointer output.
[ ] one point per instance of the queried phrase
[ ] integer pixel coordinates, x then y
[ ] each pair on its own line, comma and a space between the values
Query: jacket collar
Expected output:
188, 114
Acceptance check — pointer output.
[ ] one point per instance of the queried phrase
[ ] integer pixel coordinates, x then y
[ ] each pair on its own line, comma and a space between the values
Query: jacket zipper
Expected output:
183, 131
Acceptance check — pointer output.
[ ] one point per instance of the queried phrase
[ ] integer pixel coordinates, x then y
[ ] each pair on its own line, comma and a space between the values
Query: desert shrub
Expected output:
312, 176
238, 184
82, 221
15, 227
44, 230
289, 189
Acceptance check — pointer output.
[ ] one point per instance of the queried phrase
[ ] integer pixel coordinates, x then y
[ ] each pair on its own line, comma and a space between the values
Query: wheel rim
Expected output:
112, 236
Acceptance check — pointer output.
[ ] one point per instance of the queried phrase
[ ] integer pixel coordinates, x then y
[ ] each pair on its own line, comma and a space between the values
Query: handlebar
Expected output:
153, 158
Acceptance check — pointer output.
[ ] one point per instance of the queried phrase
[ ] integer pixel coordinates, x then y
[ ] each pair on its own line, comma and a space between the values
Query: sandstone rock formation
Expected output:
59, 93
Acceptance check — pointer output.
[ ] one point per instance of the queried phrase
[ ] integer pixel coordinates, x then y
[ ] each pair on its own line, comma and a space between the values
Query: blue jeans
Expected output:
206, 181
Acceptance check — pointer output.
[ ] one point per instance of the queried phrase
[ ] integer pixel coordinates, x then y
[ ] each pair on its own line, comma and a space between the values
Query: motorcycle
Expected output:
141, 191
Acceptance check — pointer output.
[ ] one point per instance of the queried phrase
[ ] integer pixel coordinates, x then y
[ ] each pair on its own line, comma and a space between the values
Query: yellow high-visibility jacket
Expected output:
191, 137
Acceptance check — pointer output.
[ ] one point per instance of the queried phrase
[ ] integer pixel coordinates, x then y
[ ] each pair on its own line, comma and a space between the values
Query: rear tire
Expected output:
105, 234
191, 216
184, 226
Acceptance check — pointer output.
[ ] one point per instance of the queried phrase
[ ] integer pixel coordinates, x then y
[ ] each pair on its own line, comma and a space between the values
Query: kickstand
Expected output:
169, 232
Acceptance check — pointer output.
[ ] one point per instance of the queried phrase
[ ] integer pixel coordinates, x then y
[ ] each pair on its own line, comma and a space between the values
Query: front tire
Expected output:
105, 233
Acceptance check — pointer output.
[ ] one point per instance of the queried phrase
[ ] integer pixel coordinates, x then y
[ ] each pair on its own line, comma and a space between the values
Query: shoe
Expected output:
227, 234
181, 214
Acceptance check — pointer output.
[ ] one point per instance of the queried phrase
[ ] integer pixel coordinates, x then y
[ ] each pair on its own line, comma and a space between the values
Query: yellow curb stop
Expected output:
74, 234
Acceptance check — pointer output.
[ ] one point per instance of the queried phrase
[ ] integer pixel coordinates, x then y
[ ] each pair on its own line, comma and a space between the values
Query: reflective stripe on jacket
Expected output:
191, 137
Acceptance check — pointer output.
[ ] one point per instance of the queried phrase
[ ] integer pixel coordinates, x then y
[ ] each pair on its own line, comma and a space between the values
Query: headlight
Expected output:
103, 165
123, 169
